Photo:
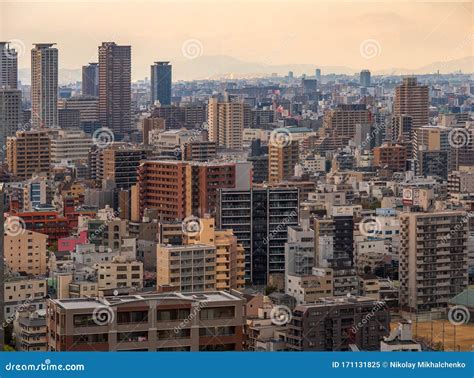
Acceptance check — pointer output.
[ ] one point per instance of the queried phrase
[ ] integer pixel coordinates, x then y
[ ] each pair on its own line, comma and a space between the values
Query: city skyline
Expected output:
379, 36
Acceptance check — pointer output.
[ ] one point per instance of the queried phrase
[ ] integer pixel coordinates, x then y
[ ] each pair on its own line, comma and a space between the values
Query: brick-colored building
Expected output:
390, 156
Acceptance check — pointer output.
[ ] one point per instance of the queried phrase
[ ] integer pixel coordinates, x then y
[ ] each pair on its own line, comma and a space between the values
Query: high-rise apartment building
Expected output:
28, 153
90, 80
161, 83
259, 218
148, 322
227, 120
179, 189
8, 66
433, 258
412, 99
341, 123
282, 159
44, 85
10, 113
115, 88
70, 145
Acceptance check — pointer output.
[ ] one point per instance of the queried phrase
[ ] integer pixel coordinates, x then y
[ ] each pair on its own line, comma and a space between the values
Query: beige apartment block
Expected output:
120, 273
282, 160
26, 252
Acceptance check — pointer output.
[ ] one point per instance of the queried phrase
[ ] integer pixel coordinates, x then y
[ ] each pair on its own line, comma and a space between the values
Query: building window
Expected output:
217, 313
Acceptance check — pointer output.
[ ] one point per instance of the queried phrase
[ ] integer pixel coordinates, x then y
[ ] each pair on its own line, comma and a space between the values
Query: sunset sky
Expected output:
407, 34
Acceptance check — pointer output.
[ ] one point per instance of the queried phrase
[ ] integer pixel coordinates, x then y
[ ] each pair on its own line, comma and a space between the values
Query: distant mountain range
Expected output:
220, 67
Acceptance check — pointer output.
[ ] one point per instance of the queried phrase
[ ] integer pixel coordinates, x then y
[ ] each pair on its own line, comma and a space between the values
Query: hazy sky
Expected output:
375, 35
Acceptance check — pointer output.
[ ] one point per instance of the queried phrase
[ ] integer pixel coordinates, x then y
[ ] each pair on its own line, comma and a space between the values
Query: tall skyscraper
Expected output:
8, 66
10, 113
90, 80
161, 83
282, 159
412, 99
115, 69
44, 85
365, 78
318, 75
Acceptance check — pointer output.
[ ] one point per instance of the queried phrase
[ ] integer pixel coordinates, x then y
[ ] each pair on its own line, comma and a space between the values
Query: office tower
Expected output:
259, 168
188, 115
160, 322
26, 252
259, 218
429, 140
318, 74
121, 162
433, 258
161, 83
2, 267
412, 99
361, 321
69, 118
390, 156
88, 108
44, 85
401, 128
432, 163
8, 67
310, 86
282, 159
28, 153
179, 189
70, 145
90, 80
365, 78
461, 141
227, 121
10, 113
115, 88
